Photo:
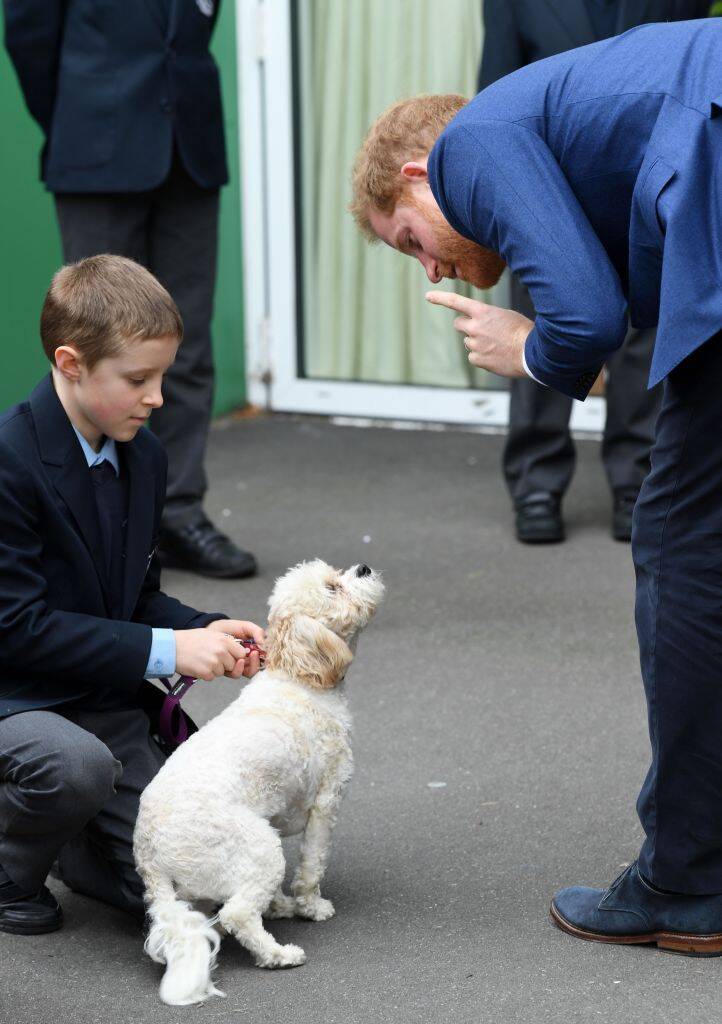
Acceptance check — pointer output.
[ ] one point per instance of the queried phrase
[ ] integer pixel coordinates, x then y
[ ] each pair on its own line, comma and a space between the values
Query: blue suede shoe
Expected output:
631, 911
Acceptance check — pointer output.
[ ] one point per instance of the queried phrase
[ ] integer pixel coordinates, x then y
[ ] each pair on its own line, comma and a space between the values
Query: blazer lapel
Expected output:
66, 466
575, 20
139, 533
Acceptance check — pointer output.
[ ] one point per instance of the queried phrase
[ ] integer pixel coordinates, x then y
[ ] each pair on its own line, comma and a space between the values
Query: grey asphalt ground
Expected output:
500, 741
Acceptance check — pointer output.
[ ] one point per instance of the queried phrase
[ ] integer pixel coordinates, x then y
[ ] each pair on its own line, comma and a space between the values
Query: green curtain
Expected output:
365, 316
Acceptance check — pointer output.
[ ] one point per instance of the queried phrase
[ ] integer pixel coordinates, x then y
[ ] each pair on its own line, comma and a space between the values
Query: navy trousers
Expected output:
677, 549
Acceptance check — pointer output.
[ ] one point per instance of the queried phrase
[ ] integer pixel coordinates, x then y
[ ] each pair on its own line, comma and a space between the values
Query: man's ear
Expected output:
69, 362
415, 170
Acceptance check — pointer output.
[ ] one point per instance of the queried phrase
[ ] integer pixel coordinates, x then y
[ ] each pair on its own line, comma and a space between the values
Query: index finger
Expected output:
243, 630
254, 632
453, 301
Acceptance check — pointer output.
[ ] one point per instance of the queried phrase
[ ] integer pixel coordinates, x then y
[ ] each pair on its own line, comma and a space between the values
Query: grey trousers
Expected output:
539, 452
70, 785
172, 230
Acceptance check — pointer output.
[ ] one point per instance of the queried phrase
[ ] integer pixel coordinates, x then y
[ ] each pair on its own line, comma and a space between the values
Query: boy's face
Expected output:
117, 396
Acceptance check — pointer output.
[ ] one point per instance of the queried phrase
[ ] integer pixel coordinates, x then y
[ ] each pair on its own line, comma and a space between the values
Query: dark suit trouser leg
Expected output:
54, 778
632, 411
98, 862
539, 451
677, 549
172, 230
183, 243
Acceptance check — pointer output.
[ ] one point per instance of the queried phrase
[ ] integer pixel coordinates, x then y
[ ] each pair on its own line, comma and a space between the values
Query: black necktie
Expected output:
102, 472
112, 503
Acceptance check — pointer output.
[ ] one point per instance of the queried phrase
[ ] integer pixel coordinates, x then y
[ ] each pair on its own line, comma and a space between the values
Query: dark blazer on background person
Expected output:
57, 641
110, 118
518, 32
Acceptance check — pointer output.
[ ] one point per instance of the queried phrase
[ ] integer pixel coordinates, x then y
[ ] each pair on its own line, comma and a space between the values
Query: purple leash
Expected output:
172, 722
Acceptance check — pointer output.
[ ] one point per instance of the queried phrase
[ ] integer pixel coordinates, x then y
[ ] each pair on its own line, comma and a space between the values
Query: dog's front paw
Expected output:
282, 956
314, 907
281, 906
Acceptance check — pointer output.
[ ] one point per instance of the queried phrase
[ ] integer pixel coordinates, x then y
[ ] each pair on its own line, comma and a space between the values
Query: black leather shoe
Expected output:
199, 547
624, 501
23, 913
539, 518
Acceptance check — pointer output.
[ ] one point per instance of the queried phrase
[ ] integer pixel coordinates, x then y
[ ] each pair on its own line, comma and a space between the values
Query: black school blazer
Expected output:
57, 642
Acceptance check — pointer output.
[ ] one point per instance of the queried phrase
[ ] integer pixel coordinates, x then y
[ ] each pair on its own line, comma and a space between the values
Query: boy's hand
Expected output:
207, 654
249, 664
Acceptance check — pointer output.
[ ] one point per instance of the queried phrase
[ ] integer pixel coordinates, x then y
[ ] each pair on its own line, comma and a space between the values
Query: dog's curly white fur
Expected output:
273, 764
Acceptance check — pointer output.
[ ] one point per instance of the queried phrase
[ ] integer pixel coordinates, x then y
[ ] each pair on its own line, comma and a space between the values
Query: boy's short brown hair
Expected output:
100, 303
407, 130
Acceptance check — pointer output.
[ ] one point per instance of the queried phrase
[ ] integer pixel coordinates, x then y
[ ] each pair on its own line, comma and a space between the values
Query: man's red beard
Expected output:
460, 257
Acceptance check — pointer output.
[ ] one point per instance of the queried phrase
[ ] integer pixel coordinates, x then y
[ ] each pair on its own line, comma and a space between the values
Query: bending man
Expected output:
596, 176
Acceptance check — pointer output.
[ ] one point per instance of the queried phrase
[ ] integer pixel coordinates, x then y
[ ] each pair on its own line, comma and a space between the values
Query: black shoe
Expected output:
624, 501
539, 518
23, 913
199, 547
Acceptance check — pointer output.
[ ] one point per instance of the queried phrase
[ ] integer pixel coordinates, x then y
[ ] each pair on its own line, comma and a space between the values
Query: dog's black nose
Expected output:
363, 570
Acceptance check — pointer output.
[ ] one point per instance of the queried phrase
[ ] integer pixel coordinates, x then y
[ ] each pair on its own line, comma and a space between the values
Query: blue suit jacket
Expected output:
597, 175
112, 84
57, 642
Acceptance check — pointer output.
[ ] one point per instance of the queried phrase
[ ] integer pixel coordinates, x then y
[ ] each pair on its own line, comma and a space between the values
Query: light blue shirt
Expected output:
161, 660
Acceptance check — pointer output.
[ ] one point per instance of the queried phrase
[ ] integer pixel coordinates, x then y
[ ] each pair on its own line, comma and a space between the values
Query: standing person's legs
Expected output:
93, 224
183, 242
673, 894
632, 411
538, 458
539, 451
98, 862
54, 778
677, 548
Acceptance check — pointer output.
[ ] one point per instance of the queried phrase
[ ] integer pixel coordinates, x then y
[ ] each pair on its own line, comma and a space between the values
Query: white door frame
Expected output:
265, 103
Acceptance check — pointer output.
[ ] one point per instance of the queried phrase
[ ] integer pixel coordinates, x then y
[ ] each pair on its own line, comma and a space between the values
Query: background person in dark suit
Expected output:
128, 97
539, 453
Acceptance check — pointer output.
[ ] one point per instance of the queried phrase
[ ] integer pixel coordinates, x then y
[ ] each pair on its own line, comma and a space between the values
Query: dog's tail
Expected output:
183, 939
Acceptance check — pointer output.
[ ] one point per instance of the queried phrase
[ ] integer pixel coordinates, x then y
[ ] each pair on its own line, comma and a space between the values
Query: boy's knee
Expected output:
84, 779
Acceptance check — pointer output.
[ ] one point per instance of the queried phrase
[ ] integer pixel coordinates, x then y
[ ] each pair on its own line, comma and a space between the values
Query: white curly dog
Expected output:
273, 764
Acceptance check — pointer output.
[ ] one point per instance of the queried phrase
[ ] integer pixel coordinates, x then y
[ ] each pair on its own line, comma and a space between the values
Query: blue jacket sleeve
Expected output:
498, 184
33, 34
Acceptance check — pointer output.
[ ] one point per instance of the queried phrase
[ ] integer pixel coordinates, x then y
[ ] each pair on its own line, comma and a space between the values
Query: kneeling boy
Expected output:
82, 617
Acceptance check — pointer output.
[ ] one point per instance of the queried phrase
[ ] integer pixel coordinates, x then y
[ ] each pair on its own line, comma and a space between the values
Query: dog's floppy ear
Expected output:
305, 649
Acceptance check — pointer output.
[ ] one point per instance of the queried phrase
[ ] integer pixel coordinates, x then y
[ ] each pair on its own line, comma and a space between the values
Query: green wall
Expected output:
30, 247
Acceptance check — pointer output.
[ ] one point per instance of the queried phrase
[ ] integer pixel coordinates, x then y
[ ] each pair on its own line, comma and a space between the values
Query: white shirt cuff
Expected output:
161, 661
527, 370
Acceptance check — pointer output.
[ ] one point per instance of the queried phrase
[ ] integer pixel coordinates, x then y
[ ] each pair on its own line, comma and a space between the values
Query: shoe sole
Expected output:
20, 928
541, 538
670, 942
